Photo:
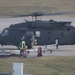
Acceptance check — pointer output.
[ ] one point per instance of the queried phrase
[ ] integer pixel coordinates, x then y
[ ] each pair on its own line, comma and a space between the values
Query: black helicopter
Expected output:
45, 32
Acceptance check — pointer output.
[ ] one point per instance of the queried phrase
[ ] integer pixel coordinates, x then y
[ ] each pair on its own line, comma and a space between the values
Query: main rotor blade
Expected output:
35, 14
60, 13
26, 15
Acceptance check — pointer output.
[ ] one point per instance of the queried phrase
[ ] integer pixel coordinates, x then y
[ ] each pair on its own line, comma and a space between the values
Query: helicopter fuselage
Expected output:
45, 32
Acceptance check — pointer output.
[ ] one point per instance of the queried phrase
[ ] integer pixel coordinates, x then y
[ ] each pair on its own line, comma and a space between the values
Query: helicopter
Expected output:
45, 32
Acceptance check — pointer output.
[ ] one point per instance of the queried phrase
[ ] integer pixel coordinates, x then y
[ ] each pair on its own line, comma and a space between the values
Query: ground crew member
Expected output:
32, 41
56, 43
22, 47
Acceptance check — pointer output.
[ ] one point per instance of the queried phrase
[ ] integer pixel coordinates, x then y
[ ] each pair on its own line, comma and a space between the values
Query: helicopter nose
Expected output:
0, 40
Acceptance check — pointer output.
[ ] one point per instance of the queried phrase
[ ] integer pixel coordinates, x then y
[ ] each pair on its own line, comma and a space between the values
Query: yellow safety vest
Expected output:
22, 45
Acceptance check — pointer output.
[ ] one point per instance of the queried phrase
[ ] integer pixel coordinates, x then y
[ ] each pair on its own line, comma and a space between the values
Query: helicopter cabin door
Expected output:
28, 35
42, 37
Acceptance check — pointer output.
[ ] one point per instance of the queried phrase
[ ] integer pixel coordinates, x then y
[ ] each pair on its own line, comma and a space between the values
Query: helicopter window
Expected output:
29, 33
37, 33
4, 33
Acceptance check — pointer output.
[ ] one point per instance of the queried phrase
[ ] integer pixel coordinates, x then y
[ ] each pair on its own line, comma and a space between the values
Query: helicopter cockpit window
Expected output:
29, 33
4, 33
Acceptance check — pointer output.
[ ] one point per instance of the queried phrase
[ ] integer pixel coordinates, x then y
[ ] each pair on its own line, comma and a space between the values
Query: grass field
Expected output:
41, 65
13, 7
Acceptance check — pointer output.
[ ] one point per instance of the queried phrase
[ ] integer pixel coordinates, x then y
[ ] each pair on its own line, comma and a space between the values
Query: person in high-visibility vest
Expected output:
21, 47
